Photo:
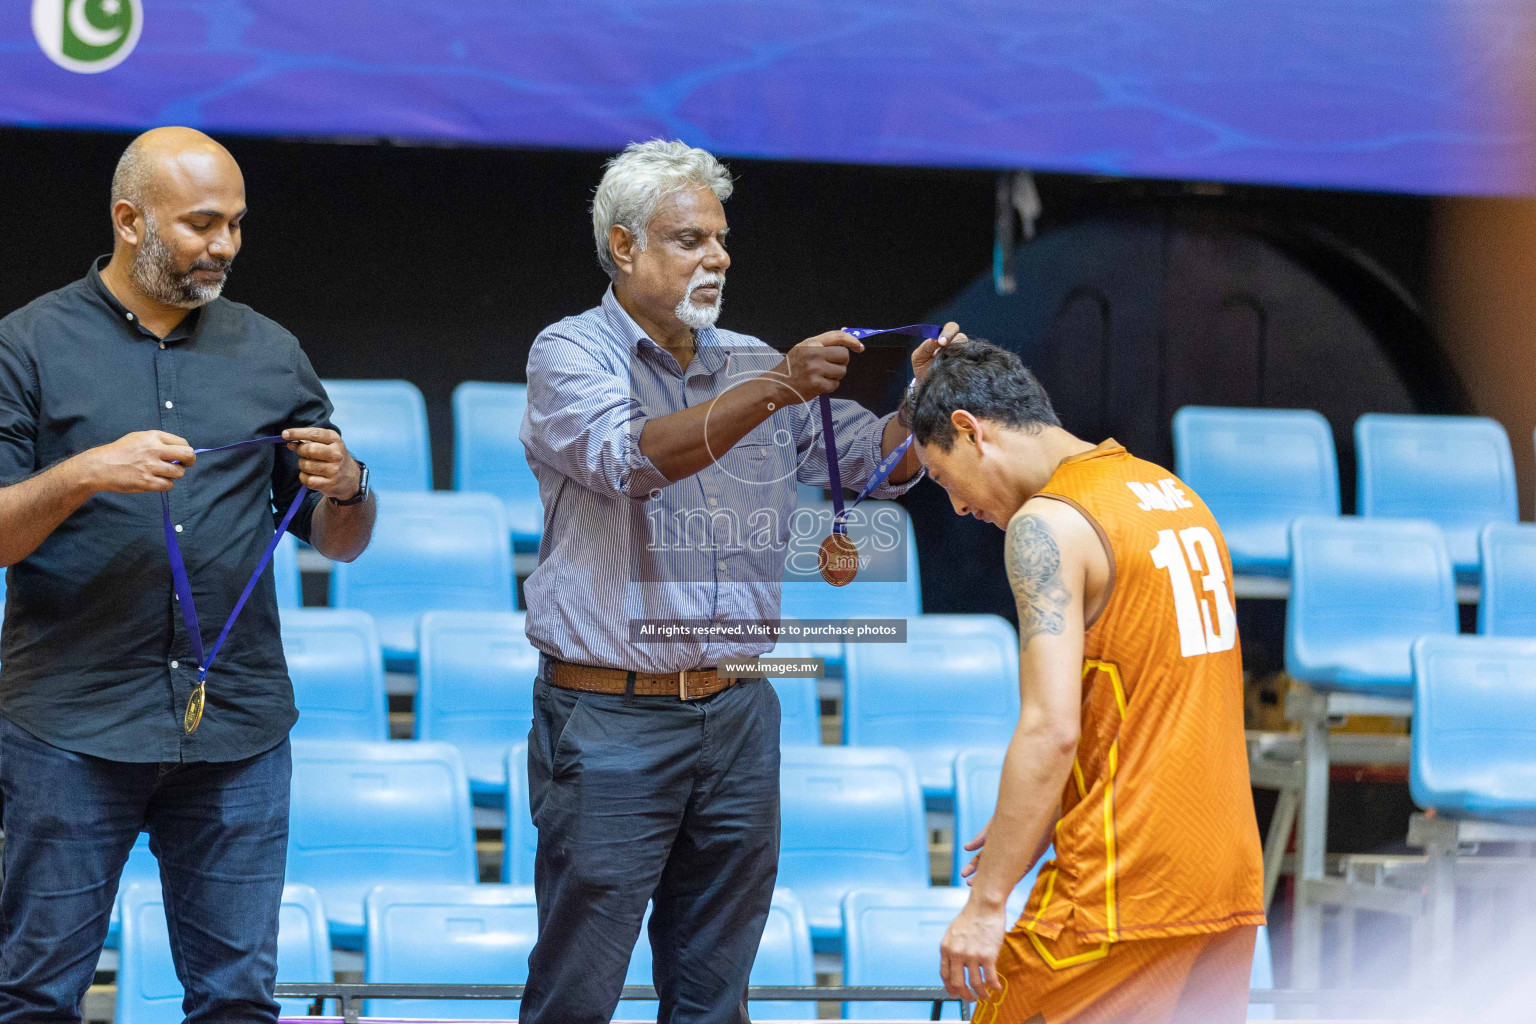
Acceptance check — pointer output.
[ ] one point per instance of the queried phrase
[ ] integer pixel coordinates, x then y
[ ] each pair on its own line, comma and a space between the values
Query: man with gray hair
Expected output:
652, 777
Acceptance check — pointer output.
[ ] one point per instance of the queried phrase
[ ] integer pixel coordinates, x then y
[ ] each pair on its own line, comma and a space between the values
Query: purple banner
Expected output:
1403, 95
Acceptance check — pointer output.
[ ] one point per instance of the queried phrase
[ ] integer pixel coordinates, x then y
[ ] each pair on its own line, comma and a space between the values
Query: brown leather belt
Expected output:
687, 685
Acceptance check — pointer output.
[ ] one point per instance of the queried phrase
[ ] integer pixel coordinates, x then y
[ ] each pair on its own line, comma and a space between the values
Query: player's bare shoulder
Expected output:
1047, 552
1054, 554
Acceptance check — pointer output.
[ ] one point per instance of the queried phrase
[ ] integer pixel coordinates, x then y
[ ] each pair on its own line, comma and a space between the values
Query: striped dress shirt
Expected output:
623, 543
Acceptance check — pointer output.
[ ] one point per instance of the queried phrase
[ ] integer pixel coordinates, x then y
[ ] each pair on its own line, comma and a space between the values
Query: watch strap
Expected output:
362, 486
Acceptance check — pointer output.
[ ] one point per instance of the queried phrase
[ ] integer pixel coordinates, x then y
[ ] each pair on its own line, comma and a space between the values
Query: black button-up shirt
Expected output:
95, 657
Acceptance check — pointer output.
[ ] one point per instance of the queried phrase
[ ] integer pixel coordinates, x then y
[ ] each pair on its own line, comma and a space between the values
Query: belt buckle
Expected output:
682, 684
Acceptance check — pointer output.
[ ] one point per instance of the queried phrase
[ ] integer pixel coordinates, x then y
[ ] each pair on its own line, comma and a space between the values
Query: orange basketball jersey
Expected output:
1157, 835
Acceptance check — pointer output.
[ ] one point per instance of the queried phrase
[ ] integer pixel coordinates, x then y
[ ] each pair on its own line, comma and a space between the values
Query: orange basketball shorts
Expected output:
1185, 979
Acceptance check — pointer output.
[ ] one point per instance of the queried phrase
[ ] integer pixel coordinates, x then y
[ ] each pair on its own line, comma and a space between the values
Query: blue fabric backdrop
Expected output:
1404, 95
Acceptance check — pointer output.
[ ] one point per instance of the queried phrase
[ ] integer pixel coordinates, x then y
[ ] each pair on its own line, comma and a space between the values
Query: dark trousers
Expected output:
651, 798
220, 832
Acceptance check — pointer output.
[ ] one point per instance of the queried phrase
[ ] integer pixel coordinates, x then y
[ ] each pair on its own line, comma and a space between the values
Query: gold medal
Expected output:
194, 713
838, 560
182, 585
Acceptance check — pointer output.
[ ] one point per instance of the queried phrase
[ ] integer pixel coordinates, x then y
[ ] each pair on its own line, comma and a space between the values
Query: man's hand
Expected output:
814, 367
968, 872
324, 464
148, 460
971, 946
974, 846
922, 356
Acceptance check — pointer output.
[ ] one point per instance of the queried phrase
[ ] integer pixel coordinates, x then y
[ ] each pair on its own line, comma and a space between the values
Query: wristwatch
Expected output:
362, 485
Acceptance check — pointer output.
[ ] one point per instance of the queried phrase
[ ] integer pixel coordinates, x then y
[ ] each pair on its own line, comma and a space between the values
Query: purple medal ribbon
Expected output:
183, 584
887, 465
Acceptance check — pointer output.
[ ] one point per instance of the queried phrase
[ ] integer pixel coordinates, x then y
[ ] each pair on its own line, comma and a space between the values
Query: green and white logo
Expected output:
87, 36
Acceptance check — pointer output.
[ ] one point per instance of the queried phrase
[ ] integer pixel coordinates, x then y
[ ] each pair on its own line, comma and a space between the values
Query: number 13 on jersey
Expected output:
1183, 555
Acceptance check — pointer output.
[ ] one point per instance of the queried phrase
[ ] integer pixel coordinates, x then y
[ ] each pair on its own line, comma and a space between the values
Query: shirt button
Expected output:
162, 344
169, 405
128, 315
714, 502
175, 664
178, 527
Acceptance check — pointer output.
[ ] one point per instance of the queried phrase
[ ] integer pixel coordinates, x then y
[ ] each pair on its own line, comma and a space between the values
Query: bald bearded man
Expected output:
106, 387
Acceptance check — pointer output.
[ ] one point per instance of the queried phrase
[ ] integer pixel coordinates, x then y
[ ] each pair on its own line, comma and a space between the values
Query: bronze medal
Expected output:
838, 557
194, 714
838, 560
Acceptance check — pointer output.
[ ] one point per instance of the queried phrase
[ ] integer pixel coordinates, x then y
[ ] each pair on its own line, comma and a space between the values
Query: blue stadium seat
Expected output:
1257, 469
978, 774
285, 573
476, 691
799, 699
1362, 590
141, 867
849, 815
1262, 975
148, 991
953, 684
449, 935
303, 943
891, 937
489, 457
384, 423
783, 958
337, 670
367, 814
1456, 471
520, 840
641, 971
1474, 728
889, 588
430, 552
1508, 603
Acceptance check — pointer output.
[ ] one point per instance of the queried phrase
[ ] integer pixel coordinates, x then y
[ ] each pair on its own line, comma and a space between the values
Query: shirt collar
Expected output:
180, 332
632, 332
705, 341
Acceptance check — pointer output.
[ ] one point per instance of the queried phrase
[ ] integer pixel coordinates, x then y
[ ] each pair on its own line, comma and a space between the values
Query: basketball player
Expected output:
1129, 752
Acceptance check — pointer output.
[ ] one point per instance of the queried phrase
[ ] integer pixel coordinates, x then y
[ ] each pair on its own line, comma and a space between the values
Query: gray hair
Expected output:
638, 179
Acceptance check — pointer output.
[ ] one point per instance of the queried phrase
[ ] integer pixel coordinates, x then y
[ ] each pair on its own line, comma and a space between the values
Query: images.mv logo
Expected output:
87, 36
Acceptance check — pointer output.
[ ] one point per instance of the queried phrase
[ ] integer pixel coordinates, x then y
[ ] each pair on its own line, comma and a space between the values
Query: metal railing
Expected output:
351, 996
1412, 1005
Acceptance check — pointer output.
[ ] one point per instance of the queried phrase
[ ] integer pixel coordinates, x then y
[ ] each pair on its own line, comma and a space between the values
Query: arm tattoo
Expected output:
1034, 571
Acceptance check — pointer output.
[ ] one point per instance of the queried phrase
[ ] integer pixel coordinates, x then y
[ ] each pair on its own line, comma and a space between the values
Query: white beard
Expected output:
696, 316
